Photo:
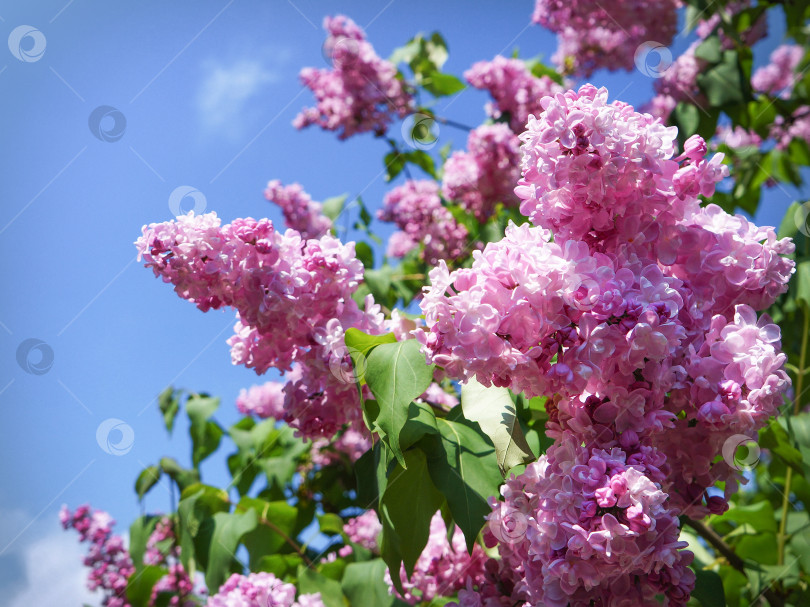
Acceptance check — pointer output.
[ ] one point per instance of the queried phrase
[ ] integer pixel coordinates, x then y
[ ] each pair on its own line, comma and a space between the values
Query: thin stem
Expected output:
265, 521
782, 537
719, 544
449, 122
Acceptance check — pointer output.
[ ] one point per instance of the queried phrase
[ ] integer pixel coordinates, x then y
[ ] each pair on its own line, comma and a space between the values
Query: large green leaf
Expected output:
493, 409
463, 466
139, 532
364, 584
198, 503
184, 477
227, 532
709, 589
276, 531
169, 405
140, 584
310, 582
396, 374
333, 207
205, 434
148, 478
409, 502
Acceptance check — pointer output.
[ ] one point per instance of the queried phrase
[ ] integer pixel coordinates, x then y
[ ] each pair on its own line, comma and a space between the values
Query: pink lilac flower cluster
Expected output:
797, 126
486, 173
349, 443
516, 91
360, 93
678, 83
416, 208
301, 213
260, 590
109, 561
778, 78
639, 321
443, 567
593, 35
737, 137
364, 530
263, 401
293, 302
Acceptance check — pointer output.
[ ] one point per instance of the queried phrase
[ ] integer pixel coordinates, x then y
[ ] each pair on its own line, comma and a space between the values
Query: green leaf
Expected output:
310, 582
228, 529
775, 438
333, 207
409, 502
140, 584
492, 408
802, 284
169, 405
330, 523
421, 421
147, 479
364, 253
365, 343
379, 281
789, 226
369, 484
760, 515
364, 584
709, 589
205, 434
394, 163
198, 503
281, 565
139, 532
463, 466
184, 477
396, 374
710, 50
423, 160
440, 85
278, 525
724, 83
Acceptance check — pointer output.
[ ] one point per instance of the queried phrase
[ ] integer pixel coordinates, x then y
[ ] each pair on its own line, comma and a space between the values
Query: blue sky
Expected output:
208, 90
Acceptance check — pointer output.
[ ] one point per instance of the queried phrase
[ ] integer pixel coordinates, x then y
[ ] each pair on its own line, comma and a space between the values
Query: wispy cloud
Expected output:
230, 93
45, 570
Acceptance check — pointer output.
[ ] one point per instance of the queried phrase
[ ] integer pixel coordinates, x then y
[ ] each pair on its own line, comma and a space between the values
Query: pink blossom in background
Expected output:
109, 561
486, 173
260, 590
738, 137
443, 567
416, 208
516, 91
593, 35
263, 401
778, 77
361, 92
301, 213
364, 530
752, 34
349, 443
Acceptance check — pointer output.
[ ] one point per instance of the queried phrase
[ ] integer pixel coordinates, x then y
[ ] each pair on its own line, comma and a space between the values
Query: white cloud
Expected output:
43, 566
227, 89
